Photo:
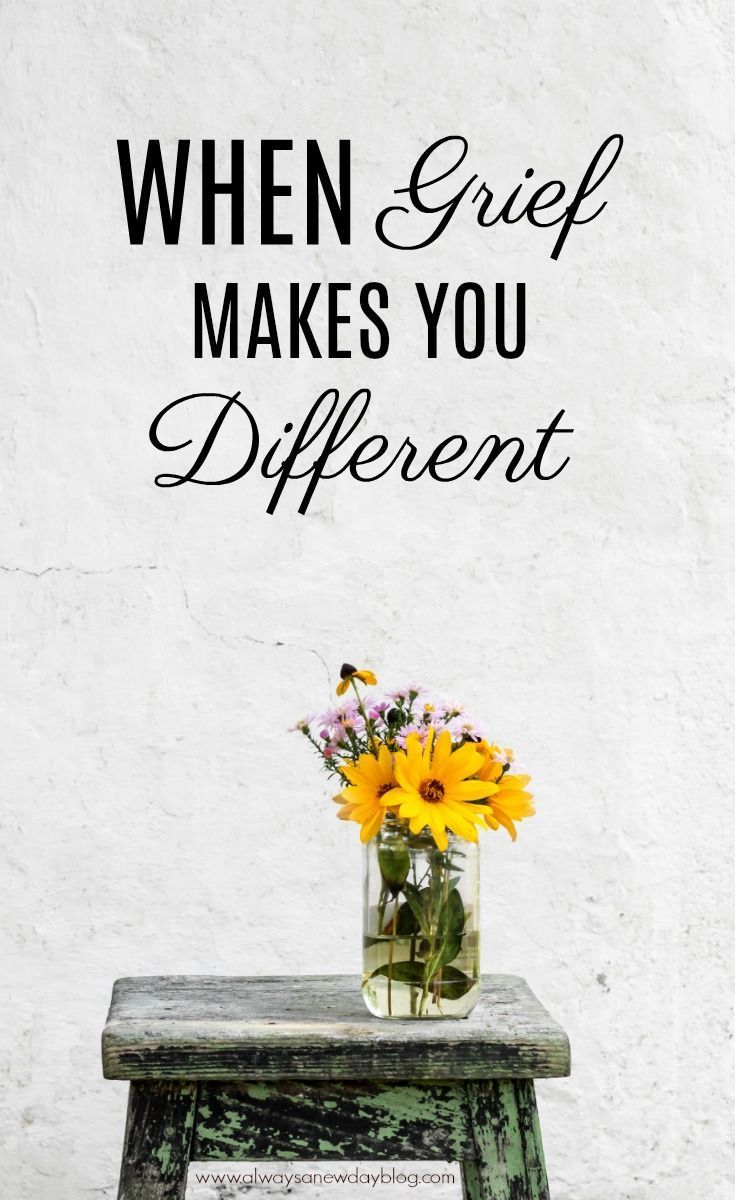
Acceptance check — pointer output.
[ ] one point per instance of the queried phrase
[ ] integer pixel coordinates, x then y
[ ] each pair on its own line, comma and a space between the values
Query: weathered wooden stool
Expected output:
282, 1068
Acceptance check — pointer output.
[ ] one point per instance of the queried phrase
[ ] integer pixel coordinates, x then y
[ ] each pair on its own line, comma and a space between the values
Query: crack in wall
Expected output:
233, 639
76, 570
230, 640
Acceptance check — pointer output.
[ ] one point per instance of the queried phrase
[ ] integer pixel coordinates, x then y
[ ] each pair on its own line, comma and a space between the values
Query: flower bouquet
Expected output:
420, 778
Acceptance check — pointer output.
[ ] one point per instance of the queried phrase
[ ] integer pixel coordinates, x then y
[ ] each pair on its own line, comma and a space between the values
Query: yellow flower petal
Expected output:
366, 677
371, 827
412, 804
439, 833
506, 823
471, 789
396, 795
442, 752
464, 762
459, 824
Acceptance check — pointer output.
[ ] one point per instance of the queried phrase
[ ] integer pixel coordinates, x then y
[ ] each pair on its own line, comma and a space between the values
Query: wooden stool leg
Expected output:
509, 1158
158, 1137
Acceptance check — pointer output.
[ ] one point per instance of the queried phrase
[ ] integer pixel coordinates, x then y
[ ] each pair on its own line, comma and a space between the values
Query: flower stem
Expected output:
391, 944
382, 902
413, 944
445, 897
366, 719
438, 893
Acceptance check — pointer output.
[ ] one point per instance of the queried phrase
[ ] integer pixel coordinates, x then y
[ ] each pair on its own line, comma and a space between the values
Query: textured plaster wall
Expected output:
156, 644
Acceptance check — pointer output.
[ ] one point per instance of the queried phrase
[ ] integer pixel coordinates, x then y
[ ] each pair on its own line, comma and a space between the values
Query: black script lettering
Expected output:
498, 446
325, 446
231, 402
417, 185
548, 433
535, 205
423, 199
362, 457
301, 441
438, 458
265, 468
334, 441
588, 185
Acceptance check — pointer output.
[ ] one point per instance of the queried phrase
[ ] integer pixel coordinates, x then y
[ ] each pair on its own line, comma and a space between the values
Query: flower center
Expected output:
432, 791
385, 787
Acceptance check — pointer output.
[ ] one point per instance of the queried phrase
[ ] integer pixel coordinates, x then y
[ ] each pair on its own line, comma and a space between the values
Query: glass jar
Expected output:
421, 940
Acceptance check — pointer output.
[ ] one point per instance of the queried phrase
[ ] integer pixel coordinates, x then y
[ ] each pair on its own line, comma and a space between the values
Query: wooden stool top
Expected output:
317, 1027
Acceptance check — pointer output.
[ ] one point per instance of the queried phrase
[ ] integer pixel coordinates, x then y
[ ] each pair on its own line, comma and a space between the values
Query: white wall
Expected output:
157, 644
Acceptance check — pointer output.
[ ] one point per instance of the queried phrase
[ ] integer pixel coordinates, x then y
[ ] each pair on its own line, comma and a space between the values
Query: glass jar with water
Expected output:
420, 924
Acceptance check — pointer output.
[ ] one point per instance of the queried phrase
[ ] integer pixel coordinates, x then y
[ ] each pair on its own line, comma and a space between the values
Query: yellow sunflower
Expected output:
348, 673
433, 788
370, 779
511, 802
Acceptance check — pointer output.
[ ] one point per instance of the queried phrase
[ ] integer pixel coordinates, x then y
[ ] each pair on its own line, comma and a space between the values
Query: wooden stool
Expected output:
296, 1068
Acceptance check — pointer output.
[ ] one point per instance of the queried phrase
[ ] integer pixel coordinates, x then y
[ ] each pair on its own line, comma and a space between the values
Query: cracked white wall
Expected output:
157, 817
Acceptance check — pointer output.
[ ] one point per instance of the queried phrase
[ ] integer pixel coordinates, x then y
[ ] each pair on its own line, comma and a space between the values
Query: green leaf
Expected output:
448, 950
406, 923
454, 984
418, 904
411, 973
451, 927
451, 917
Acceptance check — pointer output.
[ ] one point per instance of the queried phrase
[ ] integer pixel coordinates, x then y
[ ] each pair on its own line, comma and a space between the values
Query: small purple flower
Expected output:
338, 714
422, 731
410, 692
464, 727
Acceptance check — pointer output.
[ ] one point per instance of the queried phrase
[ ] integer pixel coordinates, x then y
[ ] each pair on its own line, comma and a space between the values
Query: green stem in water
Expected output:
382, 904
445, 897
391, 944
414, 997
438, 893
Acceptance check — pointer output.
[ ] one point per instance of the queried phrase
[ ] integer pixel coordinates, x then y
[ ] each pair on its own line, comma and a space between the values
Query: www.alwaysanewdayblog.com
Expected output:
257, 1177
